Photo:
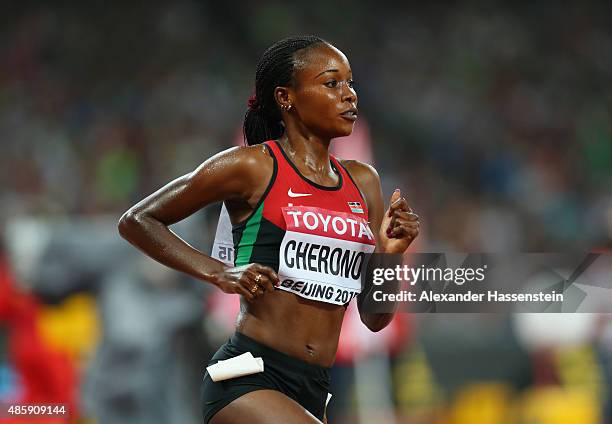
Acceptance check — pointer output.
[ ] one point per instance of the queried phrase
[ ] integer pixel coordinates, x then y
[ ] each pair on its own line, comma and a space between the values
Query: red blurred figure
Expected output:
47, 376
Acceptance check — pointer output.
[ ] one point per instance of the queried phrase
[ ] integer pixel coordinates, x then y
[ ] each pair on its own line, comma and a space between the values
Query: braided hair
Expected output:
262, 120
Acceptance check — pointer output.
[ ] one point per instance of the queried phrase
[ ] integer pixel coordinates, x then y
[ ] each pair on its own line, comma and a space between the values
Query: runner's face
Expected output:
324, 98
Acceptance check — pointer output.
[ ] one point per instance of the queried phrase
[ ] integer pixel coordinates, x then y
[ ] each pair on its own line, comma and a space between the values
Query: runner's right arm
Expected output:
237, 174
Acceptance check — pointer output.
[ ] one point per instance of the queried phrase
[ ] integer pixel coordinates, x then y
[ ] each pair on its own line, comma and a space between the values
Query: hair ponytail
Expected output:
258, 128
262, 120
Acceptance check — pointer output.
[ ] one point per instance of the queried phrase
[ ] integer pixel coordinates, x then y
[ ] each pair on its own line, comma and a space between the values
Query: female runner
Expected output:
300, 223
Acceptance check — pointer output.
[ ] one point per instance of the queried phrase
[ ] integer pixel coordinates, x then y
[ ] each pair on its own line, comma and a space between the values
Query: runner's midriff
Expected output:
305, 329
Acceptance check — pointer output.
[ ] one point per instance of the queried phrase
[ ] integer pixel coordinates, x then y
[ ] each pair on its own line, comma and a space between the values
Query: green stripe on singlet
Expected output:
249, 235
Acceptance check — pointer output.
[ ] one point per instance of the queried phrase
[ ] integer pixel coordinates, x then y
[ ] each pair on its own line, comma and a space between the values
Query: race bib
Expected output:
324, 253
223, 246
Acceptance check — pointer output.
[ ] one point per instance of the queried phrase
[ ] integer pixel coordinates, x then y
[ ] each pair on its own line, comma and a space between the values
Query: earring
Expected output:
286, 107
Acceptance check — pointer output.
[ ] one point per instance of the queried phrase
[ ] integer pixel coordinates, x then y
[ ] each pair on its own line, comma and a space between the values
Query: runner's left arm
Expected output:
394, 229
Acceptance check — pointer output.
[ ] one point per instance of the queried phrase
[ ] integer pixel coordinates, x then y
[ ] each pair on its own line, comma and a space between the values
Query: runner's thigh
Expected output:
264, 407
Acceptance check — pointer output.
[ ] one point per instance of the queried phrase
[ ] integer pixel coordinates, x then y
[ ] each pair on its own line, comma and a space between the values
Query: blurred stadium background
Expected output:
494, 119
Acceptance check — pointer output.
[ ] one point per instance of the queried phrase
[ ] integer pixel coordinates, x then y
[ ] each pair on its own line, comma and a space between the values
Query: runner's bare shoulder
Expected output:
364, 174
238, 170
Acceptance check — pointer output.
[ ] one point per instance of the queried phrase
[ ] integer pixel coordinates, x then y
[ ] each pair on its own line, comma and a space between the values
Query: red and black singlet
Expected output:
316, 237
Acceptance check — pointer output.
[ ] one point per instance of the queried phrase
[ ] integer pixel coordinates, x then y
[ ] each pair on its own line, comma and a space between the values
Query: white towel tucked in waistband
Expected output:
237, 366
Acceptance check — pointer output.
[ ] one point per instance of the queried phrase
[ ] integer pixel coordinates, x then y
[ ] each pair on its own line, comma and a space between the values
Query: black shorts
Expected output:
305, 383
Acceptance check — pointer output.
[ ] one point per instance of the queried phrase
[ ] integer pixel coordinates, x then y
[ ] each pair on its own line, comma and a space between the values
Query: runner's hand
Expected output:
250, 281
400, 225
